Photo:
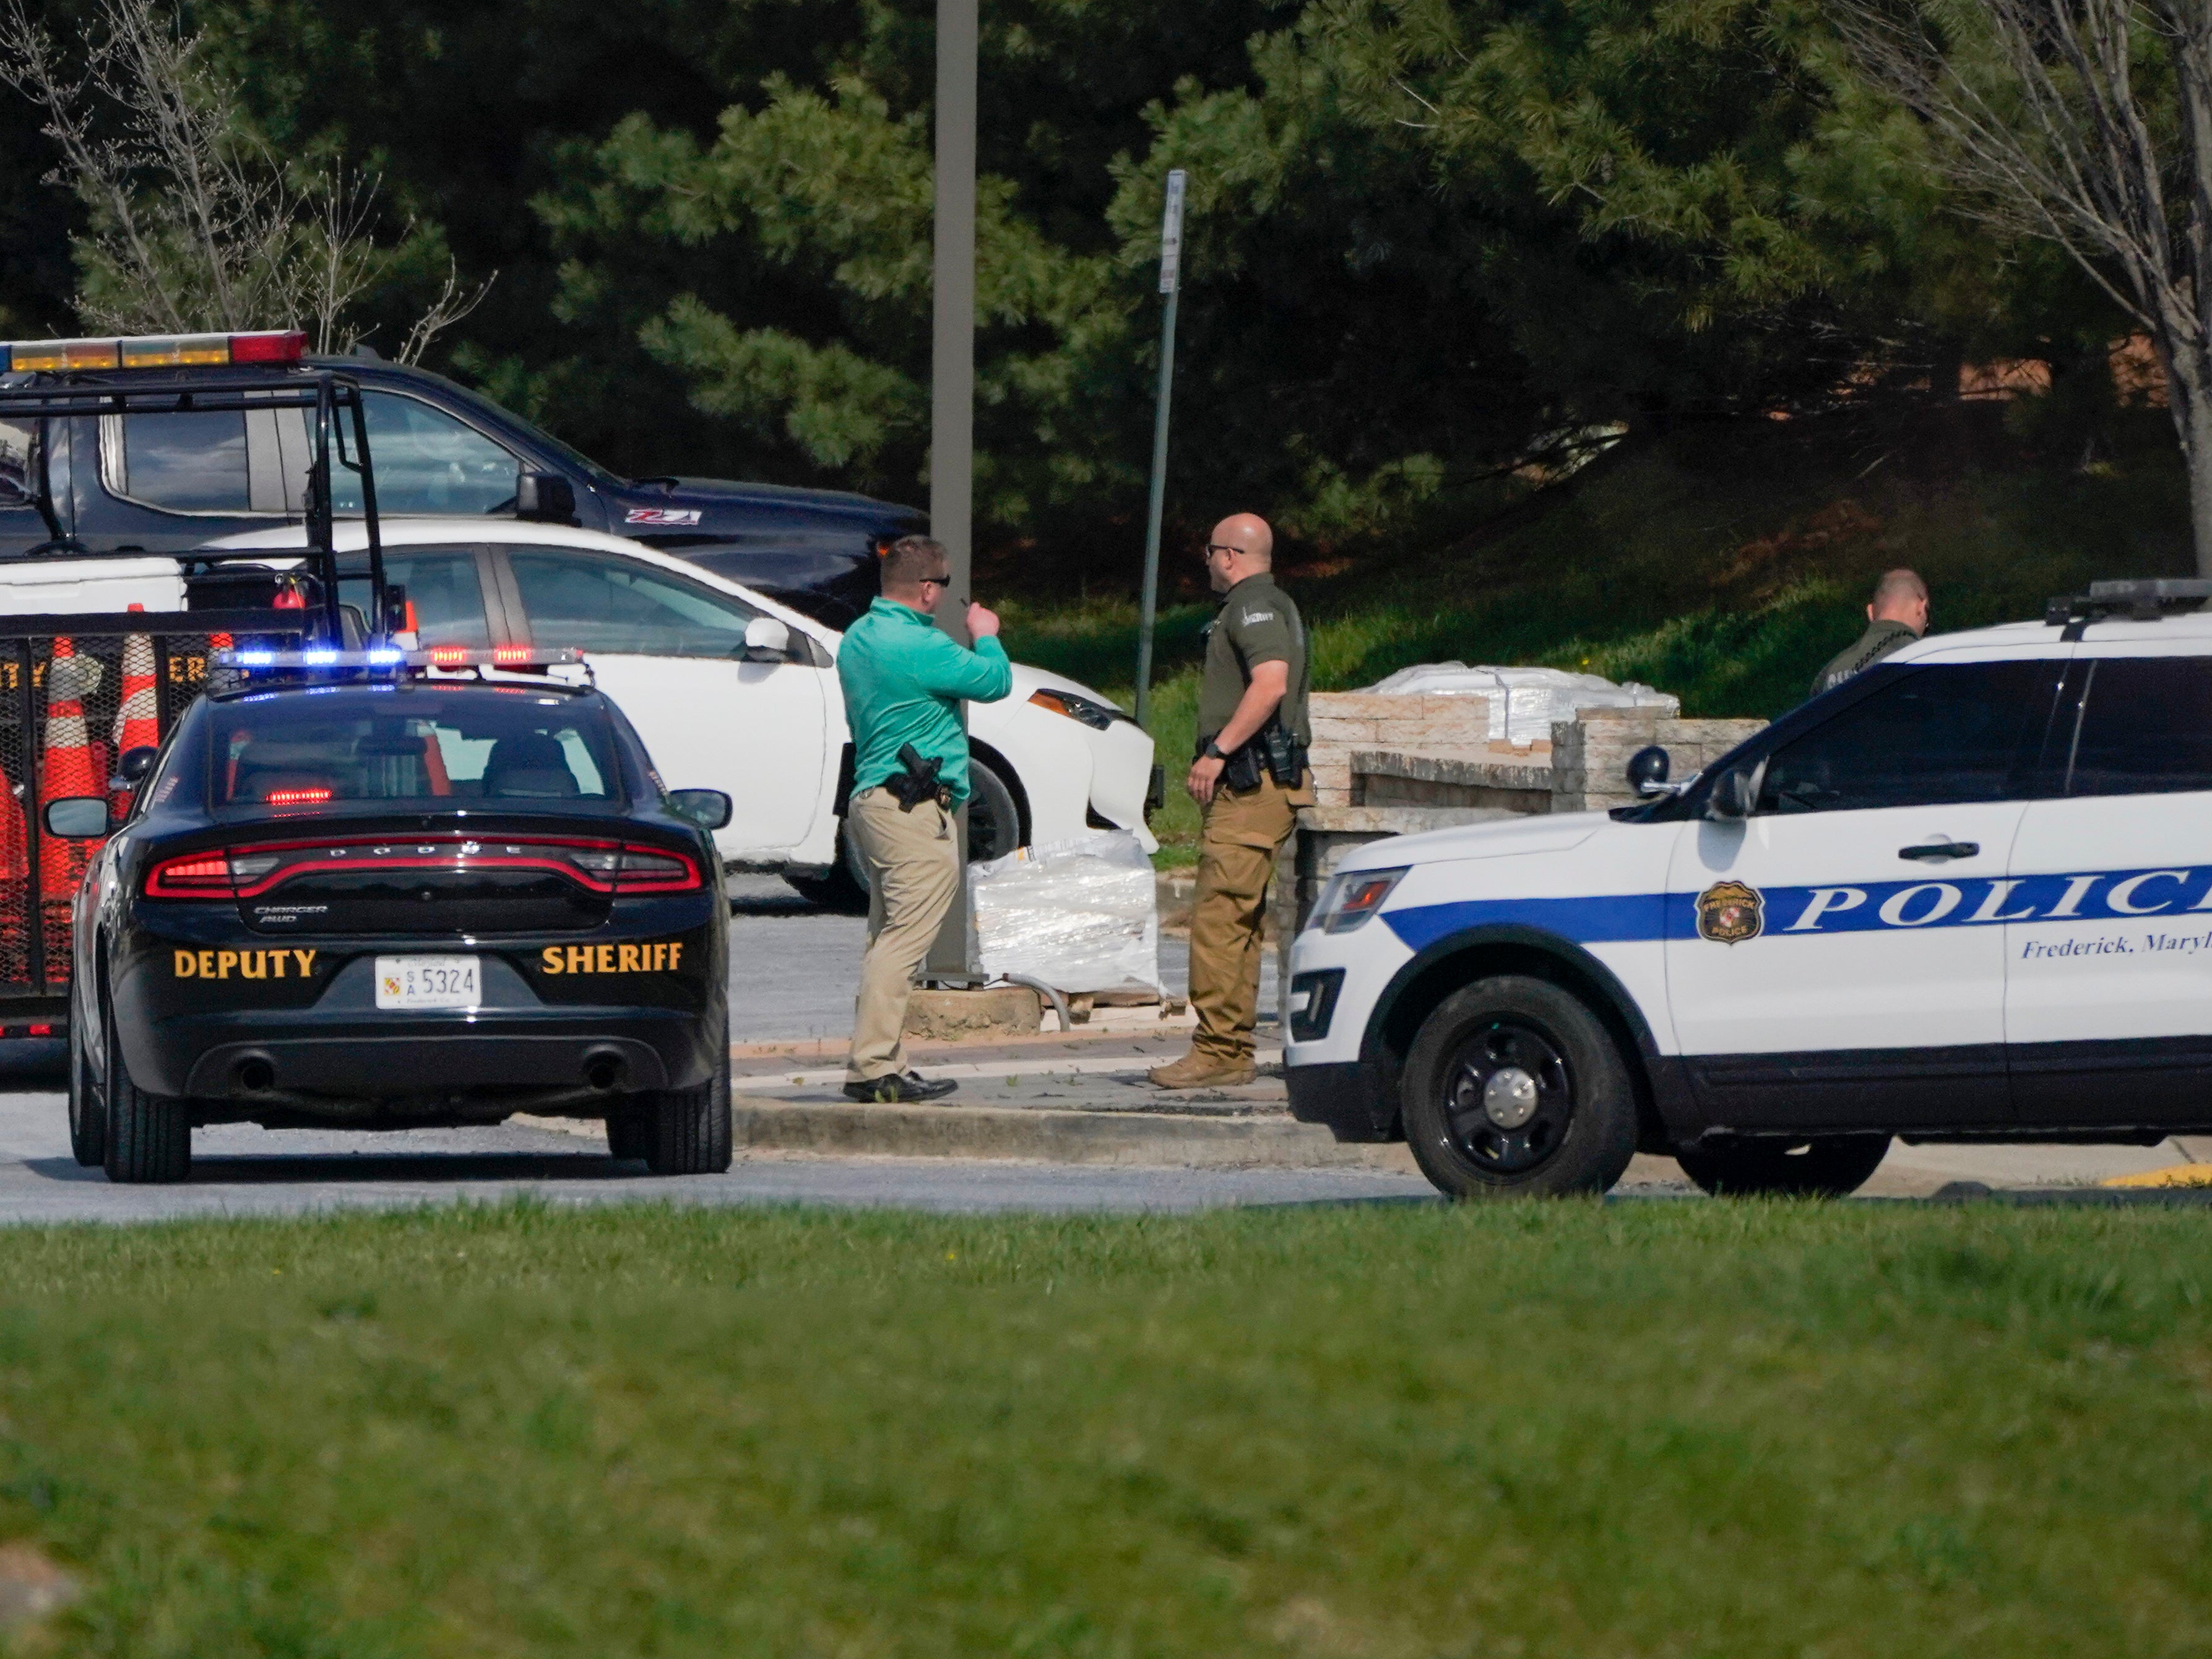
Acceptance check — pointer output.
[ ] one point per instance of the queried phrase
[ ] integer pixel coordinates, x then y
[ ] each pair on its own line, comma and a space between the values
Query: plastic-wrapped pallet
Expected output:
1523, 701
1080, 915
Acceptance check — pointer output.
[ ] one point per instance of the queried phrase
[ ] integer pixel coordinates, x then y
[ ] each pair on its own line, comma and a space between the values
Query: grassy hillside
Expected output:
1720, 565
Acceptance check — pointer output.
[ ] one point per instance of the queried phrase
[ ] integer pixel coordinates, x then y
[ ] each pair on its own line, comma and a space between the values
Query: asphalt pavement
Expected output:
792, 977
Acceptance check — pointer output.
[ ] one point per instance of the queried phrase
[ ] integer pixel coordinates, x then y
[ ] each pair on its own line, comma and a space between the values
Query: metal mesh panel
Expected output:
15, 808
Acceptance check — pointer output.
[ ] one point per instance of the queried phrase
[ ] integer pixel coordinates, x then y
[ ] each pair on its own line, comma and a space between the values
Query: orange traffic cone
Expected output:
138, 716
67, 769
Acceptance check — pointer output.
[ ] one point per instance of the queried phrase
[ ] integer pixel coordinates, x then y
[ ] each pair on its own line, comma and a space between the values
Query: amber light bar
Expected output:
159, 351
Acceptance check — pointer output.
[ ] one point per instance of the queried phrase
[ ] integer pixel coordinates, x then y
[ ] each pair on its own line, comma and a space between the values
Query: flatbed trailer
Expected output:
39, 872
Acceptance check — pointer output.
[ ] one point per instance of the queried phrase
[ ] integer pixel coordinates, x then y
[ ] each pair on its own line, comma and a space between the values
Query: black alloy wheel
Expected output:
1823, 1166
86, 1111
1514, 1087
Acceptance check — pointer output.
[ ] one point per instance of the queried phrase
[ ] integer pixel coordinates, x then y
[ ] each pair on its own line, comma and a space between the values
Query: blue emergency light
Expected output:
388, 657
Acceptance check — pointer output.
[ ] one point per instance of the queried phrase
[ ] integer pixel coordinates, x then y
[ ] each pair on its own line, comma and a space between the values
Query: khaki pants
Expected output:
1235, 857
914, 870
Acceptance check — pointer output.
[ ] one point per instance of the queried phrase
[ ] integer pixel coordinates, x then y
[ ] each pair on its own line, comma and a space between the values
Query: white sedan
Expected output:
734, 691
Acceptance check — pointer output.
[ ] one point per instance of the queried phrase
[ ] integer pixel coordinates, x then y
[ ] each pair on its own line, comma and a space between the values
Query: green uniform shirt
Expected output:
904, 680
1257, 624
1878, 641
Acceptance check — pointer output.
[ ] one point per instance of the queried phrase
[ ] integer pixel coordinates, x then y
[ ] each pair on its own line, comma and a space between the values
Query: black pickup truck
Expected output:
169, 481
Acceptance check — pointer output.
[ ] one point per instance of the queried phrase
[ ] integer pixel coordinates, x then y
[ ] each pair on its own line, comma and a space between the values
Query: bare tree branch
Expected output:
2085, 122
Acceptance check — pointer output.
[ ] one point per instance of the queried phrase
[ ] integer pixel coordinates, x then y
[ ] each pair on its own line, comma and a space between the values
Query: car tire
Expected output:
87, 1114
146, 1137
629, 1136
1513, 1088
688, 1130
994, 829
1825, 1166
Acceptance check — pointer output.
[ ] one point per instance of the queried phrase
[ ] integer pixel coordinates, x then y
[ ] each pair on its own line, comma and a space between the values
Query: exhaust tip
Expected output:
603, 1071
256, 1075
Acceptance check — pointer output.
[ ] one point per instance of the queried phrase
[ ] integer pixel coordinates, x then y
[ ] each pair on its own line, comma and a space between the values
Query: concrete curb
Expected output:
1056, 1137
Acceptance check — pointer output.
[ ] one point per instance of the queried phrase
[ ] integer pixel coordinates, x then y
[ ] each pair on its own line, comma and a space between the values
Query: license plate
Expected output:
429, 982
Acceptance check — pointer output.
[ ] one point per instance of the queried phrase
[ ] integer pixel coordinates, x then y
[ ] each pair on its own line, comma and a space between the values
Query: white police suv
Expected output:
1966, 895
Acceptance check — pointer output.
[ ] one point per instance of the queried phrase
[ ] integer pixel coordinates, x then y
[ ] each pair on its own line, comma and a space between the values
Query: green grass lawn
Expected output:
1565, 1429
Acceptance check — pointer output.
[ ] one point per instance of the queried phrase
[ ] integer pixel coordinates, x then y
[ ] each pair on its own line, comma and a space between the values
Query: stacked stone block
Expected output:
1344, 721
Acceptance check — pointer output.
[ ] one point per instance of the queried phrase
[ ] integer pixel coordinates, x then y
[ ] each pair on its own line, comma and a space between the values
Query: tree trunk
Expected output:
2189, 393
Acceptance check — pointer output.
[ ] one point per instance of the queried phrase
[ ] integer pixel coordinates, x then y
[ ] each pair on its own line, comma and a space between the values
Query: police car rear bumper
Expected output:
553, 1054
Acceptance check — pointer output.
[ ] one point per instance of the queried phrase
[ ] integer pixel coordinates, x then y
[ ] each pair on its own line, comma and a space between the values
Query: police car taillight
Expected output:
194, 876
160, 351
1353, 897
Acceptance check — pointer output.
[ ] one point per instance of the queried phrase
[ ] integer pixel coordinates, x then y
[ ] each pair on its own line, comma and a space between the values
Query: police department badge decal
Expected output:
1729, 912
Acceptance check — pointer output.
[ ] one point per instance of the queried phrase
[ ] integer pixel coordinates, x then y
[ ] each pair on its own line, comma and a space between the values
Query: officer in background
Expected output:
1249, 778
1897, 615
904, 680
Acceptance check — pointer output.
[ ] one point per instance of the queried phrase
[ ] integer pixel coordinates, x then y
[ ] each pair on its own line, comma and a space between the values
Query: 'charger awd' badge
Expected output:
1729, 912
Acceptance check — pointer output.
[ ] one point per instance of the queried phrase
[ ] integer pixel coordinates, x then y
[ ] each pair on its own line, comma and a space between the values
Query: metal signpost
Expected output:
1170, 284
952, 396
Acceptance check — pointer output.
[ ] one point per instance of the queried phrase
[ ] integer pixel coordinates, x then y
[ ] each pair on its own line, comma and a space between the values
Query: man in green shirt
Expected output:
1249, 778
903, 681
1897, 615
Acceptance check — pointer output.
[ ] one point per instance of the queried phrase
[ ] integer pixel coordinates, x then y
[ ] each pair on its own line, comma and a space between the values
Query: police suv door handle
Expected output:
1937, 851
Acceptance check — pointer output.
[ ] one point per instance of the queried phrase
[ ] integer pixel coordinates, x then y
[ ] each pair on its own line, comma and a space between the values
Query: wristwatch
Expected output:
1212, 750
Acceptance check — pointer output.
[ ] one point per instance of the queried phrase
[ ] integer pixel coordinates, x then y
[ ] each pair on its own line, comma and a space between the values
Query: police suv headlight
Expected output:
1351, 897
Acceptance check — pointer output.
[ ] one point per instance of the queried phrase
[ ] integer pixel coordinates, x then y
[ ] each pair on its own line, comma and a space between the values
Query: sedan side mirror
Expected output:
709, 809
135, 765
1734, 792
544, 498
77, 817
766, 639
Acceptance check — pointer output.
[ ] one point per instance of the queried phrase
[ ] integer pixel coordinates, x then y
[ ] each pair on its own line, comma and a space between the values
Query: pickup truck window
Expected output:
187, 462
427, 462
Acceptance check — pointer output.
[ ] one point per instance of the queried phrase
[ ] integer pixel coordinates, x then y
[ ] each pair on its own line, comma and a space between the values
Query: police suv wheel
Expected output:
146, 1137
1827, 1166
1513, 1088
688, 1130
87, 1138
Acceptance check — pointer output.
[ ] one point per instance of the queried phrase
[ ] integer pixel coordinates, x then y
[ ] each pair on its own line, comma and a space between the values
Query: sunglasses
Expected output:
1212, 547
945, 581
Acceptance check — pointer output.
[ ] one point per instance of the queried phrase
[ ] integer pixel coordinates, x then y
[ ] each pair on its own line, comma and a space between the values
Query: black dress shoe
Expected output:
899, 1089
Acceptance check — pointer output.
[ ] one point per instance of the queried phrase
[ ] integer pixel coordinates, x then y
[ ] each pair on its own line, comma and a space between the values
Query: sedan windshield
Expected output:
508, 747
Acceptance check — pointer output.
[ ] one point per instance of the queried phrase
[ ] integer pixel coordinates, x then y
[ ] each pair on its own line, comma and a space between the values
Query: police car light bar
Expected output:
391, 656
160, 351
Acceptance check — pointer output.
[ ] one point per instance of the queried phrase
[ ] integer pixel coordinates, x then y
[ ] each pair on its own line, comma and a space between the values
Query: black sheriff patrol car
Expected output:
378, 889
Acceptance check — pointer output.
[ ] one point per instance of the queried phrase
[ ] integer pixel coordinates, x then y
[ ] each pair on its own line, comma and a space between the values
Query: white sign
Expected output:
1171, 234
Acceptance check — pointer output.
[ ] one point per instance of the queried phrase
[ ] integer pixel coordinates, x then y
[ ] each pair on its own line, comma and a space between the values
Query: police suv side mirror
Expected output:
1734, 792
1647, 772
544, 498
709, 809
74, 818
766, 639
136, 764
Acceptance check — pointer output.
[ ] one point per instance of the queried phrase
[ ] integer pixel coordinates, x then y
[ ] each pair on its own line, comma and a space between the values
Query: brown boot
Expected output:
1199, 1071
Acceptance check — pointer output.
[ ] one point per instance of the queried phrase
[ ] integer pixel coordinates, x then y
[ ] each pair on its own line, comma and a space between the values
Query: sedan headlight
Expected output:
1352, 896
1093, 714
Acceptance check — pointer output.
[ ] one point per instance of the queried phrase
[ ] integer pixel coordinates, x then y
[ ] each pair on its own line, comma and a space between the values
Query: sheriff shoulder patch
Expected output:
1729, 912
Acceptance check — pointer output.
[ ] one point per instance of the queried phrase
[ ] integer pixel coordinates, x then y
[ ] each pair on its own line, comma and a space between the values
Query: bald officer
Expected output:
1249, 788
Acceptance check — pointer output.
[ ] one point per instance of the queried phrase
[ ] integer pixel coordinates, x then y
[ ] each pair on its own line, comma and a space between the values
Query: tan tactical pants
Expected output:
1235, 857
914, 870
